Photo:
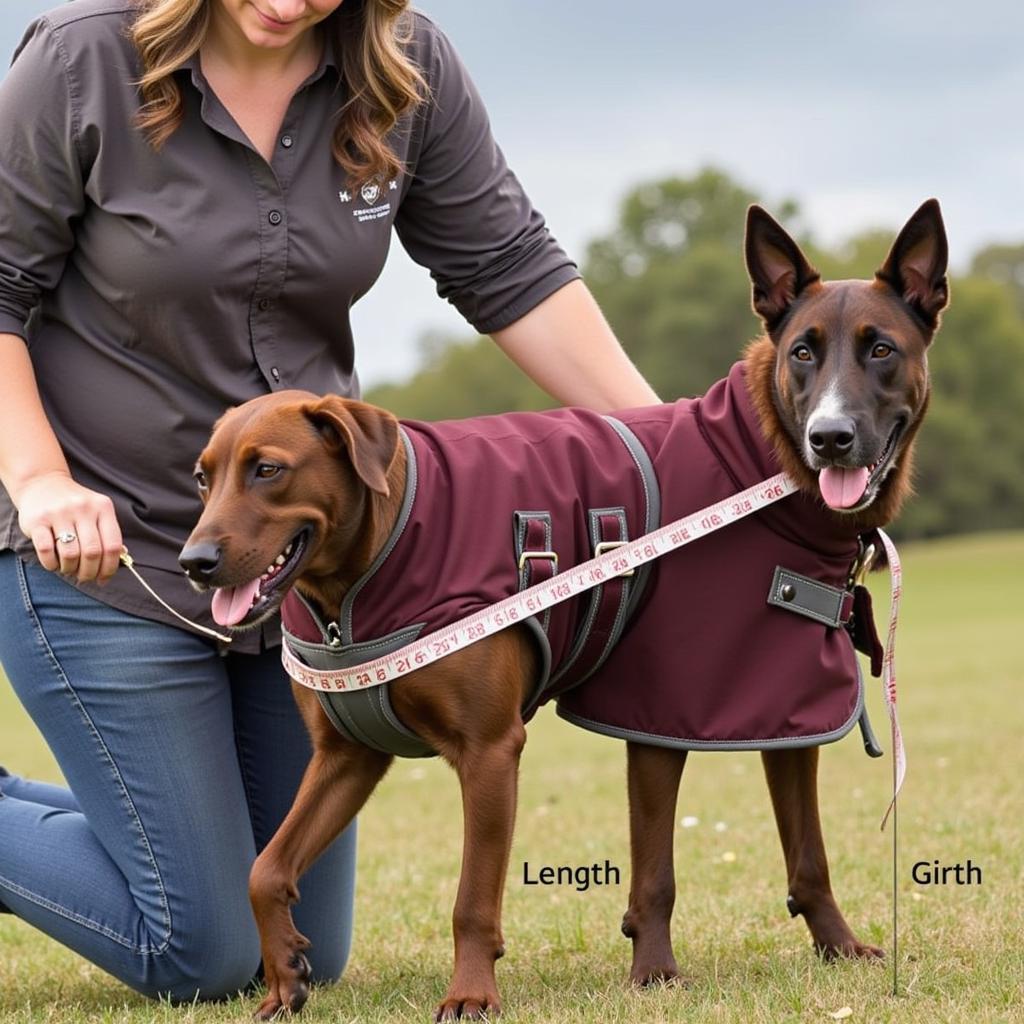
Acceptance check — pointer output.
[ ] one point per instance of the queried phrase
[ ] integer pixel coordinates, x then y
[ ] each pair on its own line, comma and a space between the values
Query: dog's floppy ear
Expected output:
778, 270
368, 435
916, 265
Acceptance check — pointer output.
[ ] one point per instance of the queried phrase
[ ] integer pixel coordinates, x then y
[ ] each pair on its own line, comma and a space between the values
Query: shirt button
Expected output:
275, 217
286, 141
265, 304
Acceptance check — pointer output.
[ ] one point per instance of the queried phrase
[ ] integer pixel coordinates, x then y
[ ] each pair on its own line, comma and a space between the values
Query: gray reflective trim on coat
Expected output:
363, 716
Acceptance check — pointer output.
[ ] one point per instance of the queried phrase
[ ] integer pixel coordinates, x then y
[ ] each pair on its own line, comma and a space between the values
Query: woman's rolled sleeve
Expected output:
40, 175
465, 215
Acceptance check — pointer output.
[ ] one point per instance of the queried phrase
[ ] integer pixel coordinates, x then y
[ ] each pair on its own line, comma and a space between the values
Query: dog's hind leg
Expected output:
653, 774
793, 782
339, 778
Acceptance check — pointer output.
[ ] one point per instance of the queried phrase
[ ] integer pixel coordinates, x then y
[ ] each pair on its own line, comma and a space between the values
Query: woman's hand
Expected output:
73, 529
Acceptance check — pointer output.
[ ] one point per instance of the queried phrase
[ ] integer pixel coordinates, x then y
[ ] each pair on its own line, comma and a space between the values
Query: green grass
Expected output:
961, 948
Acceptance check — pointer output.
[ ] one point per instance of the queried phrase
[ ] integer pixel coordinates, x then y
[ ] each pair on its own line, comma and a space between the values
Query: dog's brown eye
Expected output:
802, 353
267, 470
200, 478
881, 350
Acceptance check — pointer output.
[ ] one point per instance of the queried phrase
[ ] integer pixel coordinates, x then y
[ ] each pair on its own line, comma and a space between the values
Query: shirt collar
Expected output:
329, 58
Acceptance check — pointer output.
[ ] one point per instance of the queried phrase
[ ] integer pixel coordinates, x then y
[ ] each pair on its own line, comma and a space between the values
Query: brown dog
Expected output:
304, 491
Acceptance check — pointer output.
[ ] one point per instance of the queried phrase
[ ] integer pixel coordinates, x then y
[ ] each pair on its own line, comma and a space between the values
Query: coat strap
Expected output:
805, 596
606, 615
536, 560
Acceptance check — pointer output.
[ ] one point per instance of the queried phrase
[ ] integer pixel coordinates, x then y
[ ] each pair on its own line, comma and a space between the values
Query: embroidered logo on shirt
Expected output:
370, 192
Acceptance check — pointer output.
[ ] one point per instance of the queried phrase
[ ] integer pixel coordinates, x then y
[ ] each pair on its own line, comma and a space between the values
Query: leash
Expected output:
129, 563
899, 757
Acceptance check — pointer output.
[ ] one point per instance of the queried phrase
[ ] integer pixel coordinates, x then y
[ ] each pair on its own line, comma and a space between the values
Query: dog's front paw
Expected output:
480, 1006
287, 989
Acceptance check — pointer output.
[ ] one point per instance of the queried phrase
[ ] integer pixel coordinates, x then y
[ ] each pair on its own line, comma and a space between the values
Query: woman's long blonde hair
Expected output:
381, 82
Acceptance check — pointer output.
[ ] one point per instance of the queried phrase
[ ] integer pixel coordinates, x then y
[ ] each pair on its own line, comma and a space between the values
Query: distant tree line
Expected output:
671, 281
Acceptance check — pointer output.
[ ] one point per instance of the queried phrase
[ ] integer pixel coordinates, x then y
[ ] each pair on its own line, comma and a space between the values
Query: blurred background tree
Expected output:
1005, 264
671, 281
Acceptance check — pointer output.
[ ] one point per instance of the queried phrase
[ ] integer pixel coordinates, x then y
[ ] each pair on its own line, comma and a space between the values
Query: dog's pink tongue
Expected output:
842, 488
231, 604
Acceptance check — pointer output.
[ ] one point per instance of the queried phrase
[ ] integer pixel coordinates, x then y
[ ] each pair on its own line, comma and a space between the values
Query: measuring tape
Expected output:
578, 580
538, 598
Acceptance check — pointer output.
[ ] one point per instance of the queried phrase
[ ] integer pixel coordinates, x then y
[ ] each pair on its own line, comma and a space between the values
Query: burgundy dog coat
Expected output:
699, 649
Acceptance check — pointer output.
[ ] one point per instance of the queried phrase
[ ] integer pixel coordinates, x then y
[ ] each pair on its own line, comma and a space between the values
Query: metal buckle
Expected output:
610, 545
861, 568
551, 556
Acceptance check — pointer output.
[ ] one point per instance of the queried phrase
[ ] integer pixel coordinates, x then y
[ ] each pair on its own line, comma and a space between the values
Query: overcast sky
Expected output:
859, 110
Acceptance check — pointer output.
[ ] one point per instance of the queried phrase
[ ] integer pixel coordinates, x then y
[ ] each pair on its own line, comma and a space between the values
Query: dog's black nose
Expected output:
200, 561
832, 438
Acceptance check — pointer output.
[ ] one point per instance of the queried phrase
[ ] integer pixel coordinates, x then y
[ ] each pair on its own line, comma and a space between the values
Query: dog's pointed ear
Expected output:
916, 265
367, 434
778, 270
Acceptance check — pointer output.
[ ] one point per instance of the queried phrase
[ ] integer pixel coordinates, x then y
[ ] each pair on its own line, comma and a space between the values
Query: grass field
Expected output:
961, 948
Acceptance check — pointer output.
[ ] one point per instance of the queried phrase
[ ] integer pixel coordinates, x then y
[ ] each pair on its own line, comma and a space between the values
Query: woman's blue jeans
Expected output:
181, 763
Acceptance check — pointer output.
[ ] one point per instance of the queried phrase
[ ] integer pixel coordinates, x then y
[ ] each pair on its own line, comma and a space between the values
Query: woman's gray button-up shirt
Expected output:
157, 289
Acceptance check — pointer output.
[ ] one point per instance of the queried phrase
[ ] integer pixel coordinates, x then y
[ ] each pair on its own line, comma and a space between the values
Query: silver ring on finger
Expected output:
66, 537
